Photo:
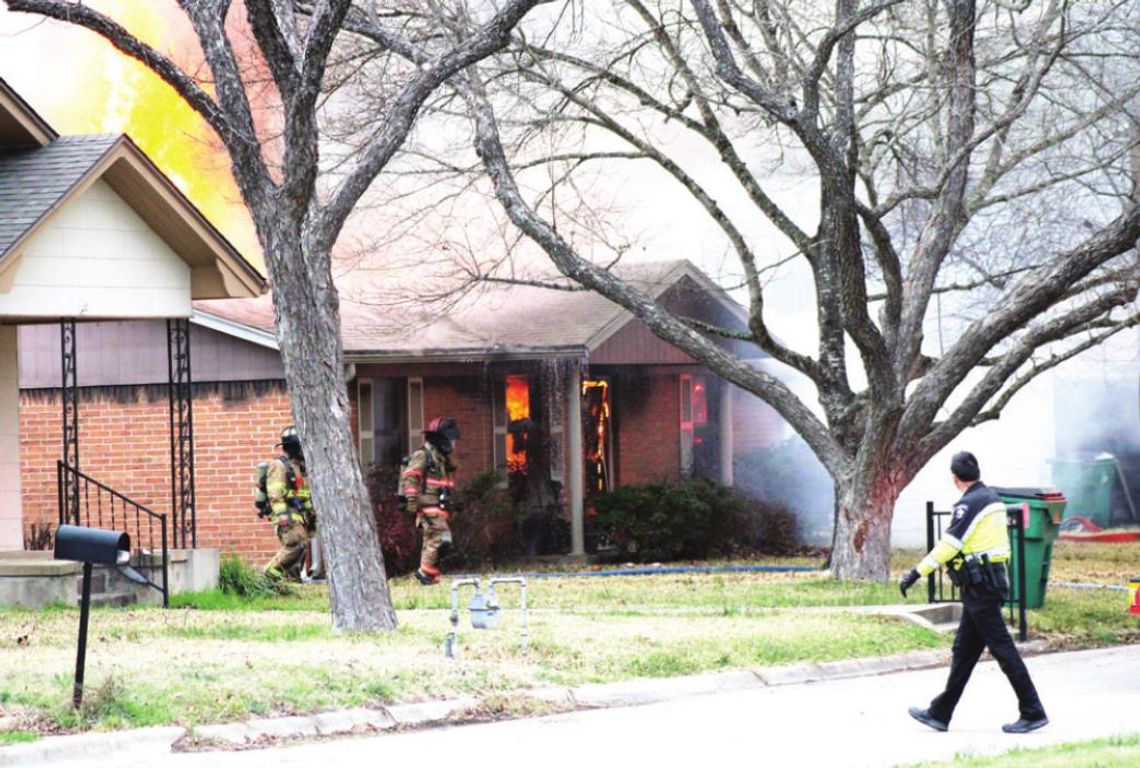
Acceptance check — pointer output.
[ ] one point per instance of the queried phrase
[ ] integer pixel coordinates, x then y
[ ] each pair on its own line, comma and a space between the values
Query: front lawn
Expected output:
216, 657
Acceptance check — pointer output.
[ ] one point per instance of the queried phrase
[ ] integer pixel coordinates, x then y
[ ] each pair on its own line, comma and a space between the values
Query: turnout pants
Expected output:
433, 528
293, 538
981, 627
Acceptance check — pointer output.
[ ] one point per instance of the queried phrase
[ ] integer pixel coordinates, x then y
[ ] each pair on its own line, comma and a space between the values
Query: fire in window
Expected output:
597, 437
517, 398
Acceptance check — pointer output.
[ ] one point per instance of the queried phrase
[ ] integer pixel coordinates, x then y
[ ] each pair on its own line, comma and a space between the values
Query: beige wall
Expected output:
97, 258
11, 535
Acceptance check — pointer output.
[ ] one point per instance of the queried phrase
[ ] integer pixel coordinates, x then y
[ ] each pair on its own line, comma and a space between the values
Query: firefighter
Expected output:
976, 544
426, 483
291, 506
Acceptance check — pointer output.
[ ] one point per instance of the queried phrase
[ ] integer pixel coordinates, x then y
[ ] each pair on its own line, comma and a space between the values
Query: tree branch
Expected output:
569, 263
488, 38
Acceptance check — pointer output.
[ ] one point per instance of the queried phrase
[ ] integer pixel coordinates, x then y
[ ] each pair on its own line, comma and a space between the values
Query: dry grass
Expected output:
191, 666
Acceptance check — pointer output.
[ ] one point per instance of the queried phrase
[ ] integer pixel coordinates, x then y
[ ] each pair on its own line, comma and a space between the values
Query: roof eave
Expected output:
466, 355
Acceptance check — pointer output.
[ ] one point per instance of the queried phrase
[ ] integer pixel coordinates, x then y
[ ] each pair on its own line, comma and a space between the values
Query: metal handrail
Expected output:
1018, 594
81, 486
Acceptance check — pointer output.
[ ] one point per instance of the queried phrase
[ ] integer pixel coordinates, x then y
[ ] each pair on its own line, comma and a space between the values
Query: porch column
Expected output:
725, 428
11, 518
577, 461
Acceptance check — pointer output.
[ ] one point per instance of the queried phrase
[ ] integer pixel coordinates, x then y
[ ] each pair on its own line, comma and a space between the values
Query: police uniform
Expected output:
292, 508
976, 544
424, 481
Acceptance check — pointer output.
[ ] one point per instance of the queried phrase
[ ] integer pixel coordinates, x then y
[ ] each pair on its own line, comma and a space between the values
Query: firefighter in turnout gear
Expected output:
290, 506
426, 483
976, 546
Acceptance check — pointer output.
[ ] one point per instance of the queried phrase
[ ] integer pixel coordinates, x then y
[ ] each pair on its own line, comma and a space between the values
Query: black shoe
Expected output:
425, 579
1025, 726
923, 716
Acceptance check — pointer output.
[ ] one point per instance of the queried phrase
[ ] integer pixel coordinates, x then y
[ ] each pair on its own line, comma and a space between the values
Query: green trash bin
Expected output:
1043, 512
1087, 484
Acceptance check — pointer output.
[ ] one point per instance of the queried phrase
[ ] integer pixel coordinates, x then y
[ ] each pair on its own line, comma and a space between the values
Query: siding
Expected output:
98, 258
128, 353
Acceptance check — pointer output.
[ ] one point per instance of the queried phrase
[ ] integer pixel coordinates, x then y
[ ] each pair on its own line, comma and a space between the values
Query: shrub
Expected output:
395, 527
772, 529
236, 577
484, 527
665, 521
789, 475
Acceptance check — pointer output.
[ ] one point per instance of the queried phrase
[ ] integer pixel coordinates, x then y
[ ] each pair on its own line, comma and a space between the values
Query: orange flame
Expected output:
518, 407
86, 86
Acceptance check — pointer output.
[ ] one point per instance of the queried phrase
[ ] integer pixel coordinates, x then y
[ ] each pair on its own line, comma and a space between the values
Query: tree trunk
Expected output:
308, 333
864, 507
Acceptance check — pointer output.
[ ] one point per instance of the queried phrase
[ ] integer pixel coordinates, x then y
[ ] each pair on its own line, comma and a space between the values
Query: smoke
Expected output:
1095, 417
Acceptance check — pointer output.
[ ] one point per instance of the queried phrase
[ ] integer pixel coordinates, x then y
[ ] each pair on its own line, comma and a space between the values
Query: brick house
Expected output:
561, 391
91, 231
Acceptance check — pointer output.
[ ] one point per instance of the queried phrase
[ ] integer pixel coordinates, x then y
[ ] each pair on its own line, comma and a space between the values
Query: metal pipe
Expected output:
521, 581
453, 635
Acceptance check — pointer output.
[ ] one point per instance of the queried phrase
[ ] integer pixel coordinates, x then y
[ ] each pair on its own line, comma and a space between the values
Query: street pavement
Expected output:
850, 722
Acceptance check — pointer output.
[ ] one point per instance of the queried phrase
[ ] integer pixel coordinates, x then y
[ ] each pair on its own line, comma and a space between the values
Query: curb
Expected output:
156, 742
124, 745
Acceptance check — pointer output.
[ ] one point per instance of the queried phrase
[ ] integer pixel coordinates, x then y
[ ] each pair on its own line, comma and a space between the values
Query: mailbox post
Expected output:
89, 546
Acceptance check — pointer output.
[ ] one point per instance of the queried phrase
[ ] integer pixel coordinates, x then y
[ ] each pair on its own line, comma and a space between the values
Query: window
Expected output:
597, 437
415, 414
686, 424
512, 424
365, 424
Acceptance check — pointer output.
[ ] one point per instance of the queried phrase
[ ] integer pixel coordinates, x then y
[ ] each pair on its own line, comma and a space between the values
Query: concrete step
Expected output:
114, 599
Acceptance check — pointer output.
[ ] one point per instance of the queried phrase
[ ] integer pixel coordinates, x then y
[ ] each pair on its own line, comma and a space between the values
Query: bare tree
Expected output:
299, 205
977, 153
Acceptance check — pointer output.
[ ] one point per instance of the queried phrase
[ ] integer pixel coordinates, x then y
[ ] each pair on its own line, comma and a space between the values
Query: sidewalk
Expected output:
152, 743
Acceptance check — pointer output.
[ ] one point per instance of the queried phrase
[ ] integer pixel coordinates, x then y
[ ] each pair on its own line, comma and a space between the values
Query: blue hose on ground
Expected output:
1073, 585
651, 571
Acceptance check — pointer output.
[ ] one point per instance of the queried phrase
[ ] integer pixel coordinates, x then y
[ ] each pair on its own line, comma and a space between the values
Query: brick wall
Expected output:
755, 424
125, 444
468, 401
648, 436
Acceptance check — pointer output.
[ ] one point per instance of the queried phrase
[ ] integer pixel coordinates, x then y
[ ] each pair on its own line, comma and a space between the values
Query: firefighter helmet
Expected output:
442, 425
290, 440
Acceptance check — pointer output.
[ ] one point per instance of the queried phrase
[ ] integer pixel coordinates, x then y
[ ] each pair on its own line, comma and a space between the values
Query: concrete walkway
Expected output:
770, 718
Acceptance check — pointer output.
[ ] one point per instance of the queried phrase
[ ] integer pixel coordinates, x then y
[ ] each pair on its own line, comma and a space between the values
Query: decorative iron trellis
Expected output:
182, 494
69, 397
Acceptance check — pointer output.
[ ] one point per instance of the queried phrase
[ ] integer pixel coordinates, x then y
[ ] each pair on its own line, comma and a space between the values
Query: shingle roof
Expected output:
493, 319
33, 182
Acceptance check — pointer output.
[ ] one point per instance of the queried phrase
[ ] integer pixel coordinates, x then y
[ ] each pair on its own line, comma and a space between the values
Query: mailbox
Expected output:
92, 545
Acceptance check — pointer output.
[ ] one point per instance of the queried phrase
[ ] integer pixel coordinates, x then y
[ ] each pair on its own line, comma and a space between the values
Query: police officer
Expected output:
291, 505
426, 484
976, 544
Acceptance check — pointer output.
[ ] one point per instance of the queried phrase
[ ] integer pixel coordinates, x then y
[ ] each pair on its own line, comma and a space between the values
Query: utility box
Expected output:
1042, 512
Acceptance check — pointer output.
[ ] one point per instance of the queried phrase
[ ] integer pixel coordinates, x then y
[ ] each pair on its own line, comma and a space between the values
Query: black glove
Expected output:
907, 581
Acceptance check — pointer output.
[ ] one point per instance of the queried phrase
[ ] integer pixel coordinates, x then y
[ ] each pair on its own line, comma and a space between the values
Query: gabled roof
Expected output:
499, 321
37, 182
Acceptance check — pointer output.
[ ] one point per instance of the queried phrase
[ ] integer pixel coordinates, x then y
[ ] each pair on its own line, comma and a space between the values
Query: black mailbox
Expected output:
92, 545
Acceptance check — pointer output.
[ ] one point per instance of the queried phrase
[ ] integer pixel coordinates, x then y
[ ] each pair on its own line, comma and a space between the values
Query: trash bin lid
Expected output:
1042, 494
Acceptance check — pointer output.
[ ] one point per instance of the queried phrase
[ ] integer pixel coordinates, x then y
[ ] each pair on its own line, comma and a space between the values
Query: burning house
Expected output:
562, 393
